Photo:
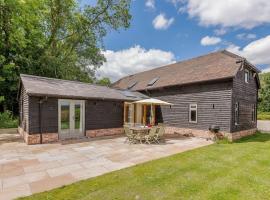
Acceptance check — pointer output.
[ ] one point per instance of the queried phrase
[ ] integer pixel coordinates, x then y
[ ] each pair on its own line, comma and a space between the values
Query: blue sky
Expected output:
166, 31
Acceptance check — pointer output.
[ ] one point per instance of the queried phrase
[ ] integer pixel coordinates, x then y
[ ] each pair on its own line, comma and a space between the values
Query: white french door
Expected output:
71, 118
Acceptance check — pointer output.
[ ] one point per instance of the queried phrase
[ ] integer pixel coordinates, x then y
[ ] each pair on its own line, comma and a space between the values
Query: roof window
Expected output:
131, 85
128, 93
152, 82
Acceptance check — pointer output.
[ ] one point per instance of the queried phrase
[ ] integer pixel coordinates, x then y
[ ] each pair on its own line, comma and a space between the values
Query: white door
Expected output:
70, 118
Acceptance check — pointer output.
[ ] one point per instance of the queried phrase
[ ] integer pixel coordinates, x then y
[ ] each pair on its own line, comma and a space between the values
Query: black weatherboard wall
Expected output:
24, 109
213, 105
49, 115
99, 114
246, 95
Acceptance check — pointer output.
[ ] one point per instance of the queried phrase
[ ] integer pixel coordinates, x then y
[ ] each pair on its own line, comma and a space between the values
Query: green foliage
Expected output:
263, 116
7, 120
54, 38
104, 82
264, 93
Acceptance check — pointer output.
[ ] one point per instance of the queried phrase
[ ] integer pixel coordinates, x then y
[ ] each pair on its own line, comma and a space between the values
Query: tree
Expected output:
54, 38
104, 81
264, 93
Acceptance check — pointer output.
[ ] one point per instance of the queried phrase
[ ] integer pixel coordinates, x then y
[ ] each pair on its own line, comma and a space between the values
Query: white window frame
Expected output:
247, 74
236, 117
193, 109
72, 132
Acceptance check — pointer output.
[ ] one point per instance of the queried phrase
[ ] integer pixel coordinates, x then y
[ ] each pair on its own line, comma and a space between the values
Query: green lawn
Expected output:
239, 170
264, 116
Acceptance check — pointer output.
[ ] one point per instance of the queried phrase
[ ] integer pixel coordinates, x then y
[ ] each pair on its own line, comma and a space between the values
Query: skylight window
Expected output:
128, 93
132, 85
152, 82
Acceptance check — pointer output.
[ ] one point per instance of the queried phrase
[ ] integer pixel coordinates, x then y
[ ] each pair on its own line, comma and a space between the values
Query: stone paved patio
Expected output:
25, 170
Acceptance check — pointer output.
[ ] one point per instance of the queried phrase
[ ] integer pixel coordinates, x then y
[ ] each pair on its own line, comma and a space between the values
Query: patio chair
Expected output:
151, 136
129, 134
160, 133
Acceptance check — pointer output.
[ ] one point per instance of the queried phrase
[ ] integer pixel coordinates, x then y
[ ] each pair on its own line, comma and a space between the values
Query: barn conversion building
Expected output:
219, 89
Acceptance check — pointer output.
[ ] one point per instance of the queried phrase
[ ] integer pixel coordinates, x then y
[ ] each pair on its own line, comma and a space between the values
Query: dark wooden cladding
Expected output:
103, 114
246, 94
49, 115
98, 115
24, 109
213, 105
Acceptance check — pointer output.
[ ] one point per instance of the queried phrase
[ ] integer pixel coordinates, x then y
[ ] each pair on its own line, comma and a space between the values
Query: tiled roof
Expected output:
42, 86
213, 66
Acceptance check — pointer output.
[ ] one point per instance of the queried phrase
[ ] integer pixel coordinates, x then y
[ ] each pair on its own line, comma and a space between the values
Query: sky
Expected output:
167, 31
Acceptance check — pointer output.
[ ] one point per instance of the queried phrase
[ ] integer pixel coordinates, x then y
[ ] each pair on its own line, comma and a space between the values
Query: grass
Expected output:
7, 120
238, 170
264, 116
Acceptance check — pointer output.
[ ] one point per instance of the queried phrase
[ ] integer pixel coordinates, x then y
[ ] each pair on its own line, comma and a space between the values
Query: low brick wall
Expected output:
240, 134
104, 132
35, 138
49, 137
175, 131
171, 131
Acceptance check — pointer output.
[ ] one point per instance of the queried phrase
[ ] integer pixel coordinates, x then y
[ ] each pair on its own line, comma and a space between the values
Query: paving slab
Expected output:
28, 169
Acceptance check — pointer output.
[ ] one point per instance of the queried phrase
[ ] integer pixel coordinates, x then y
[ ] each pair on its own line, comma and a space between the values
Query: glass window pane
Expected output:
77, 116
65, 116
193, 115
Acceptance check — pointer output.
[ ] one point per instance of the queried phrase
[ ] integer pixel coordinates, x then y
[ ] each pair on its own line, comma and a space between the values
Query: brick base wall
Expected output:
171, 131
35, 138
49, 137
175, 131
240, 134
104, 132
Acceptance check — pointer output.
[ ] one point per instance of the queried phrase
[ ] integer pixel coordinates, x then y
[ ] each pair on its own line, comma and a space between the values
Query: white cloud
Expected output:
221, 31
206, 41
133, 60
176, 2
256, 52
246, 36
230, 13
150, 4
161, 22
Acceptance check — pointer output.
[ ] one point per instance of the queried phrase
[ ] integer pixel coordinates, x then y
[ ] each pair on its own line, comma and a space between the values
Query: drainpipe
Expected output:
40, 102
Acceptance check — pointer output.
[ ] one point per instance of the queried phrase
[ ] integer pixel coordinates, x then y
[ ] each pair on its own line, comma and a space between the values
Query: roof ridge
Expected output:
168, 65
62, 80
231, 54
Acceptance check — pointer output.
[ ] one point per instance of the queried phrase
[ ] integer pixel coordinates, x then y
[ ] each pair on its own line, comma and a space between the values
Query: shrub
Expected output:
264, 116
7, 120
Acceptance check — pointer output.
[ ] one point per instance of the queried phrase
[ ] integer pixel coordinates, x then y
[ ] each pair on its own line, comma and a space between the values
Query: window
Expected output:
193, 113
236, 113
131, 85
246, 76
152, 82
253, 113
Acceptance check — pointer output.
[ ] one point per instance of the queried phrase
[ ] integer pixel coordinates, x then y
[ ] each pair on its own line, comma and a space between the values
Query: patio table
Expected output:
140, 132
140, 129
